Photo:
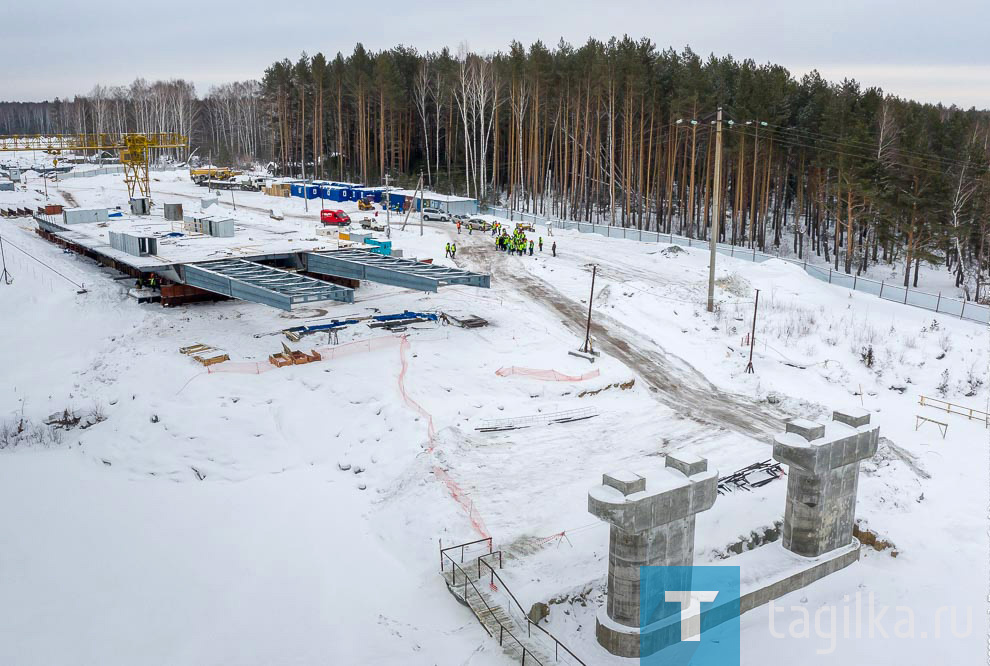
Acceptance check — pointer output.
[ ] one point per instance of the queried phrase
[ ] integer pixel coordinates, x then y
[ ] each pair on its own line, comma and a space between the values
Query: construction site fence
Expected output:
951, 408
109, 169
546, 375
925, 300
89, 173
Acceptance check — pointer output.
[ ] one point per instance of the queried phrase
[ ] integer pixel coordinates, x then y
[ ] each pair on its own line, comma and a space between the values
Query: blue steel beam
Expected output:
258, 283
395, 271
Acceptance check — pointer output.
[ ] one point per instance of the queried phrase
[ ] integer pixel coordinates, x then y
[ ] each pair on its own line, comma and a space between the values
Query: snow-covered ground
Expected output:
207, 519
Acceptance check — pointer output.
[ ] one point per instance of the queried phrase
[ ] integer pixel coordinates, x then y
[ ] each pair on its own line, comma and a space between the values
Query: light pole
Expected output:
717, 213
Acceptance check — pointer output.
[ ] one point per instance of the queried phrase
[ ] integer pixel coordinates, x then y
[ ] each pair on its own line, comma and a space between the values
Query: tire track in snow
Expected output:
674, 382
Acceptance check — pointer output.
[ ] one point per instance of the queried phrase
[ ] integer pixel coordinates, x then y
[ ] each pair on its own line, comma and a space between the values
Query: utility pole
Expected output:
718, 210
388, 208
419, 191
587, 331
690, 201
752, 196
752, 335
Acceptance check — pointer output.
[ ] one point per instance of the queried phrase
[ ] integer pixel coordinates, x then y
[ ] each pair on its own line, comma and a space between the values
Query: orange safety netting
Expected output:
347, 349
546, 375
431, 431
453, 488
466, 502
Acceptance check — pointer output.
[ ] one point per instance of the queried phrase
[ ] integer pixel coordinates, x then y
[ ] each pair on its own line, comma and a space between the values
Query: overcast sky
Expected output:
929, 51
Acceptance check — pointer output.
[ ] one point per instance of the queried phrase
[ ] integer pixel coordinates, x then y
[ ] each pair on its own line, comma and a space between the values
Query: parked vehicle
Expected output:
334, 217
364, 204
201, 175
373, 223
435, 214
481, 224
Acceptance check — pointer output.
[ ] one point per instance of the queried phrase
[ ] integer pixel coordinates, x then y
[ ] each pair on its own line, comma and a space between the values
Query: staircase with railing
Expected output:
476, 583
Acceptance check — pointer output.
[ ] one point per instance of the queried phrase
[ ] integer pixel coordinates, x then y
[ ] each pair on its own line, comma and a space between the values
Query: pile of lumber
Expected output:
278, 190
204, 354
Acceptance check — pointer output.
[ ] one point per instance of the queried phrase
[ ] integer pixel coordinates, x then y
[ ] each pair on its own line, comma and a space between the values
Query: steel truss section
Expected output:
365, 265
250, 281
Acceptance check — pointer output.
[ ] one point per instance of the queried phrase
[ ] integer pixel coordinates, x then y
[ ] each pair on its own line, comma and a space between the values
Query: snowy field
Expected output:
205, 518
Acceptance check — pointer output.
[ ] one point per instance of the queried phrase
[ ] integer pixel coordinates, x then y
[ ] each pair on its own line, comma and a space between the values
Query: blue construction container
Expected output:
297, 189
312, 191
372, 193
382, 247
397, 202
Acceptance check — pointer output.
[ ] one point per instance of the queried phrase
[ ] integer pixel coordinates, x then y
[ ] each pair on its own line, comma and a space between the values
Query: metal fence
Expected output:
89, 173
108, 169
888, 292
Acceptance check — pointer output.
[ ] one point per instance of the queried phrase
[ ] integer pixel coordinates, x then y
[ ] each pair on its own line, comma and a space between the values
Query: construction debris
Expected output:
470, 321
768, 471
198, 353
195, 349
392, 322
517, 422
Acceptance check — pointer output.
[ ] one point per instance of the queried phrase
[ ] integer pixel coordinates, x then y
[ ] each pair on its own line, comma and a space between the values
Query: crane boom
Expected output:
134, 150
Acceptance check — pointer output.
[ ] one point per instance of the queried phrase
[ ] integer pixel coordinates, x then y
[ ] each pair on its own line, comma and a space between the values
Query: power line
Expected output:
49, 267
790, 142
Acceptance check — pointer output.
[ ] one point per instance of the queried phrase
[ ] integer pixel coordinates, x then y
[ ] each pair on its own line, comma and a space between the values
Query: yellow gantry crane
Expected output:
134, 150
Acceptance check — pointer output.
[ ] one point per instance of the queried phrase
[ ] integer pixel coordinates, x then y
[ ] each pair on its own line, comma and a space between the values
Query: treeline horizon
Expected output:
617, 132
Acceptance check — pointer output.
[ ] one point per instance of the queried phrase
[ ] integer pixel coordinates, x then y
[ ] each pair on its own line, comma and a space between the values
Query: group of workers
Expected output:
517, 243
514, 243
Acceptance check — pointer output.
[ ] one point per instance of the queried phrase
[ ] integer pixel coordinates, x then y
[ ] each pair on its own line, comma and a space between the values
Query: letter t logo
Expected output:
690, 601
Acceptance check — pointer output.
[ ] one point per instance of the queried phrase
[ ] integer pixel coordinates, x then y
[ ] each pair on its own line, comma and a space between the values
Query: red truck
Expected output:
334, 217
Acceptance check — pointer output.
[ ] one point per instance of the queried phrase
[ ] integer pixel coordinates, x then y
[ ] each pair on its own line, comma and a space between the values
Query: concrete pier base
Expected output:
652, 524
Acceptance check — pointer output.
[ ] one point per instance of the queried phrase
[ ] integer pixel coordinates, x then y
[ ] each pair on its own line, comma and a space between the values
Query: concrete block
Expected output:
852, 416
625, 482
687, 464
802, 457
807, 429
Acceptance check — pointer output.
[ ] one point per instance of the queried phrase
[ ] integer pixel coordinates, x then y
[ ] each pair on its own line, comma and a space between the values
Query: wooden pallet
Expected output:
213, 360
290, 357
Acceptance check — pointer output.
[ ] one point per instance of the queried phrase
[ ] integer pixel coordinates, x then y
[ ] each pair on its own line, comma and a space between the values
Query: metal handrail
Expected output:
529, 622
462, 546
502, 627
